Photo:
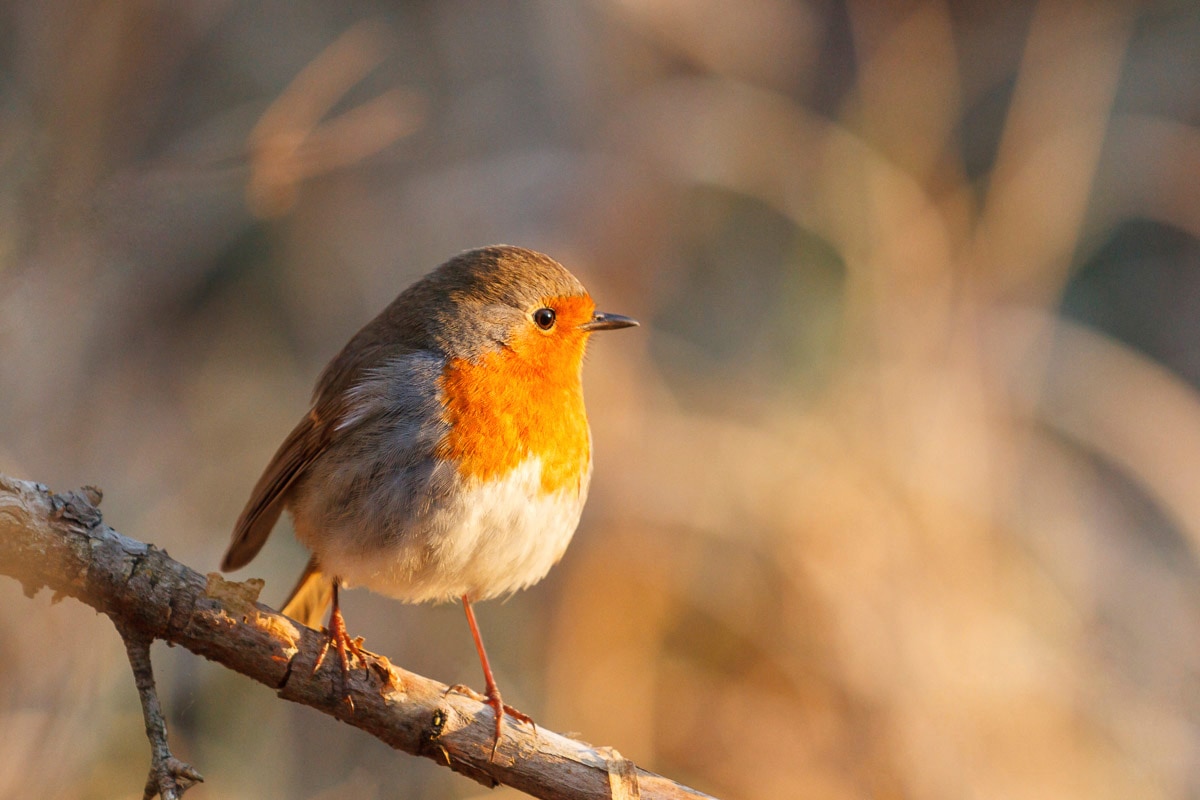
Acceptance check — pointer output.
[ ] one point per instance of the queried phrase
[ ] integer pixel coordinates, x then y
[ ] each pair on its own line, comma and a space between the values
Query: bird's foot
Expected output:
499, 708
345, 647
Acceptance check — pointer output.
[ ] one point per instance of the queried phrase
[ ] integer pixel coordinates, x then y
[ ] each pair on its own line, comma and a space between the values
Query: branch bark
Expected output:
60, 541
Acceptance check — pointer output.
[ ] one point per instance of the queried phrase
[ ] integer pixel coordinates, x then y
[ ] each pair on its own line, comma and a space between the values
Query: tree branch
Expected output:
59, 541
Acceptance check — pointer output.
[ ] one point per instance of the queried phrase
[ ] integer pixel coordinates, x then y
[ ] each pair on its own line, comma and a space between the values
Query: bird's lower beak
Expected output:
608, 322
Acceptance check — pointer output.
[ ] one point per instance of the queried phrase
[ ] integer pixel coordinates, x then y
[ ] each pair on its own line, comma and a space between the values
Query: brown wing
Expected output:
266, 502
382, 338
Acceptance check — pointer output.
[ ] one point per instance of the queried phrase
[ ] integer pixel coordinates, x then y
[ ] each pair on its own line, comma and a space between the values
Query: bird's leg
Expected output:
492, 697
345, 646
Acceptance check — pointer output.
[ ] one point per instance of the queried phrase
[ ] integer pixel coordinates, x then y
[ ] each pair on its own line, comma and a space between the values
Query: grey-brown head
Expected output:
483, 299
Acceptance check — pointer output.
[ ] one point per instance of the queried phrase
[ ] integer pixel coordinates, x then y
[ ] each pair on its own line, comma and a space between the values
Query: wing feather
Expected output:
298, 451
333, 406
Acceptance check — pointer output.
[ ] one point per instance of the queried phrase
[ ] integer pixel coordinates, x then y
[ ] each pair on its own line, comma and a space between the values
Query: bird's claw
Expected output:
499, 709
345, 647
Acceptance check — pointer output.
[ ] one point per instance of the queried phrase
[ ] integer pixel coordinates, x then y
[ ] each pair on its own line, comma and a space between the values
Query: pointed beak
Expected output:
607, 322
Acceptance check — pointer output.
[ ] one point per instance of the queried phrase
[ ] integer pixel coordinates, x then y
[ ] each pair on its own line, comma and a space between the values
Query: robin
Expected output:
447, 453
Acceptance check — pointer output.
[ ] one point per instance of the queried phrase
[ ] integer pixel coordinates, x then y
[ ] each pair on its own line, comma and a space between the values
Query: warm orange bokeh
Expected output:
894, 489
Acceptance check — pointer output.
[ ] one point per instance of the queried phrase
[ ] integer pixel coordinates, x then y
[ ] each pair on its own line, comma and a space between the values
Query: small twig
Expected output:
169, 777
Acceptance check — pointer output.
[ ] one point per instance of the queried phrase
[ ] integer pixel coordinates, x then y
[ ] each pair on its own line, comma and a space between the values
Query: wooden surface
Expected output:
59, 541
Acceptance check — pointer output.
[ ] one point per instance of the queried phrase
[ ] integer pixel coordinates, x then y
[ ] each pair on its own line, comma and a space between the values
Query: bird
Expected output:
446, 455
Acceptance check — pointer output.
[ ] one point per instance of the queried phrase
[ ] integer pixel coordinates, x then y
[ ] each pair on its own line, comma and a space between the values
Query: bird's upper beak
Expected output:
607, 322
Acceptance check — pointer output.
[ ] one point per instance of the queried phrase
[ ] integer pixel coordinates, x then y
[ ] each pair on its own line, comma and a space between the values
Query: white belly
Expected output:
479, 540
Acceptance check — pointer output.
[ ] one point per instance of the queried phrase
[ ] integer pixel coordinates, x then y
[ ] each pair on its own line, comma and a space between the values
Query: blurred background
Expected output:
897, 489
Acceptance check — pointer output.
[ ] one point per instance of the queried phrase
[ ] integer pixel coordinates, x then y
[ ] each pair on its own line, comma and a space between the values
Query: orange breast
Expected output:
522, 401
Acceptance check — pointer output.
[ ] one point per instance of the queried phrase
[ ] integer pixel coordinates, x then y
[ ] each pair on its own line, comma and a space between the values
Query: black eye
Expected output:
544, 318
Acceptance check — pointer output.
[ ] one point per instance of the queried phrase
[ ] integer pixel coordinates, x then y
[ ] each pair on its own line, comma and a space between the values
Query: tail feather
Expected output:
311, 597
